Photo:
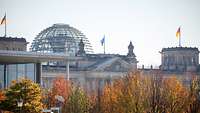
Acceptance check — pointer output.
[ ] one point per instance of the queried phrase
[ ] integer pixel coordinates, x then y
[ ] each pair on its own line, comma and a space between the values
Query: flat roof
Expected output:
180, 49
33, 57
11, 39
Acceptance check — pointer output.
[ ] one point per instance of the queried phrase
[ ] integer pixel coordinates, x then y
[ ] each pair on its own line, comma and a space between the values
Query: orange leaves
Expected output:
2, 96
59, 92
61, 87
109, 99
125, 95
175, 95
135, 93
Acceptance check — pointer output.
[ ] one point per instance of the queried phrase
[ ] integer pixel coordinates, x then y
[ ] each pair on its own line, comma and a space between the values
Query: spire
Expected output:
130, 50
81, 51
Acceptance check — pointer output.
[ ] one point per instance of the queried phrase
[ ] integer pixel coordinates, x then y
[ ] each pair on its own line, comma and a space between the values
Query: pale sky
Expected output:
149, 24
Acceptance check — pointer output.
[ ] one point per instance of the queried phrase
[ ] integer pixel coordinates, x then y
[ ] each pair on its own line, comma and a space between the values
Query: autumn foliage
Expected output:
2, 96
135, 93
60, 87
25, 90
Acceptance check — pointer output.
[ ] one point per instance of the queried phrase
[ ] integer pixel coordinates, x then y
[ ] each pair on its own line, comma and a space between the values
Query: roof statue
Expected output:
130, 50
81, 51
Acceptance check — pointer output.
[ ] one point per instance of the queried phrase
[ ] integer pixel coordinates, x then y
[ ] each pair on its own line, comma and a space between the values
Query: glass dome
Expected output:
60, 38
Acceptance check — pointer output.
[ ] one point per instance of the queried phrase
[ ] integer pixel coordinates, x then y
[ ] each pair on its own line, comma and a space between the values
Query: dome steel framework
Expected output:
60, 38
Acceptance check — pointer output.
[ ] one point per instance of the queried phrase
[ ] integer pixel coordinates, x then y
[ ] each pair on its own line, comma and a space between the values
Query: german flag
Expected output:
3, 20
178, 33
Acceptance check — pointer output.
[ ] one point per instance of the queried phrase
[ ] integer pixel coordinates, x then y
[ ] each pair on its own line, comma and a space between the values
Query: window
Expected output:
2, 76
20, 71
30, 71
11, 73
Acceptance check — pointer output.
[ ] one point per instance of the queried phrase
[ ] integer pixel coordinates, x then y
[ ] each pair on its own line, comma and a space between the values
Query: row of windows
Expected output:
15, 49
11, 72
183, 60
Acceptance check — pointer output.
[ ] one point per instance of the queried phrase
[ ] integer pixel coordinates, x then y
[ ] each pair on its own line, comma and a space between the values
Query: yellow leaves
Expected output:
135, 93
26, 90
125, 95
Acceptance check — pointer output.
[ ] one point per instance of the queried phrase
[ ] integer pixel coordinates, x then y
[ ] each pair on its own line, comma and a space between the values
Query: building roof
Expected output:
11, 39
32, 57
60, 38
180, 48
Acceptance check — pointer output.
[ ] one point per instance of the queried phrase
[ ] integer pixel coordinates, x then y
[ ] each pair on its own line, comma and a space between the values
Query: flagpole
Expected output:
180, 40
5, 24
180, 37
104, 47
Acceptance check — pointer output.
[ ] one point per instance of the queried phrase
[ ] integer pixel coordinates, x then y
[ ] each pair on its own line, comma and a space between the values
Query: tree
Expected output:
109, 101
134, 93
174, 96
61, 88
154, 93
78, 102
25, 90
194, 96
127, 95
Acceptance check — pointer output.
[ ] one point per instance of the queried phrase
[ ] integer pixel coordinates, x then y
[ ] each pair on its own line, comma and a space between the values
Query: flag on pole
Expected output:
3, 20
103, 40
178, 33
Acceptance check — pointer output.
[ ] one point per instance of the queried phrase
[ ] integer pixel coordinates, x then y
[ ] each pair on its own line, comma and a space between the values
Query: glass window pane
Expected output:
1, 76
20, 70
30, 71
11, 73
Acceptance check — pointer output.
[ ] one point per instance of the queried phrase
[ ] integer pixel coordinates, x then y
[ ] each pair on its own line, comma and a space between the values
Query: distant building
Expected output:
180, 59
64, 50
94, 70
182, 62
15, 44
16, 62
19, 64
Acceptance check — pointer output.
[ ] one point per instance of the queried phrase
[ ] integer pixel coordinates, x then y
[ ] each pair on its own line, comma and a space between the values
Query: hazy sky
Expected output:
149, 24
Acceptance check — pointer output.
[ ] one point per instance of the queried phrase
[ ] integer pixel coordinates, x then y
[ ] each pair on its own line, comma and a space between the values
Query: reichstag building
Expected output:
61, 50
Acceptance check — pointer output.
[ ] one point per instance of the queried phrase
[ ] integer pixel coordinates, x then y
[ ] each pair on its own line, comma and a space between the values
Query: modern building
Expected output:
16, 64
15, 44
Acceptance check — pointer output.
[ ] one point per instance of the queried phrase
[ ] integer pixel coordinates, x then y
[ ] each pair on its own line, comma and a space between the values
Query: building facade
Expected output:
15, 44
180, 59
61, 50
93, 71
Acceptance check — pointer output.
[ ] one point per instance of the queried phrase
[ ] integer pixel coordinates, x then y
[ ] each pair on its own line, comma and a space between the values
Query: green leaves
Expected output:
78, 102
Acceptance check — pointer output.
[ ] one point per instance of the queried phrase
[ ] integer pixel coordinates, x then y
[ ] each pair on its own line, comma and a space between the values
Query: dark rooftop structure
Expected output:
11, 39
13, 43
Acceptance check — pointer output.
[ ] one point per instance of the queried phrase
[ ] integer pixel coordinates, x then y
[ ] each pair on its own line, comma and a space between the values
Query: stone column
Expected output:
38, 72
67, 70
4, 74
